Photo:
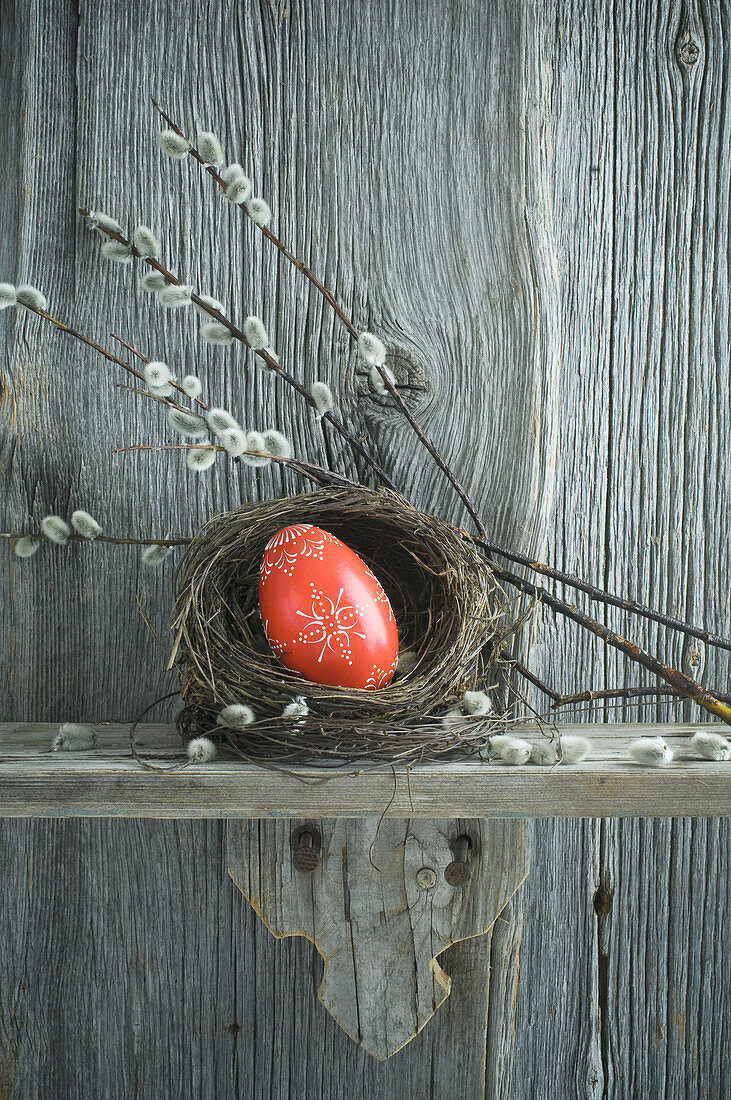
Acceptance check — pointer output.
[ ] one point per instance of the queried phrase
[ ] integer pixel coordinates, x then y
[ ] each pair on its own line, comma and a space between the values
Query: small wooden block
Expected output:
379, 931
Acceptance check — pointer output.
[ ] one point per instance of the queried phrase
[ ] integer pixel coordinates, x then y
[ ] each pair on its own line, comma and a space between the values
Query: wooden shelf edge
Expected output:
108, 782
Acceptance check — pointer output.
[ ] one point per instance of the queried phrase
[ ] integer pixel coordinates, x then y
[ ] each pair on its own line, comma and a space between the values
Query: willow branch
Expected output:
600, 596
683, 684
591, 590
117, 541
614, 693
348, 324
533, 679
299, 465
266, 356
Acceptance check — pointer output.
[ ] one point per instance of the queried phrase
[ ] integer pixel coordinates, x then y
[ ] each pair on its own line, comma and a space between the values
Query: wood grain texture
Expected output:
378, 928
641, 220
387, 143
106, 781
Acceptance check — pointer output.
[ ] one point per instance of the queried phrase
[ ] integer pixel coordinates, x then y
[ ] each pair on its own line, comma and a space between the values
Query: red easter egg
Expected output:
325, 615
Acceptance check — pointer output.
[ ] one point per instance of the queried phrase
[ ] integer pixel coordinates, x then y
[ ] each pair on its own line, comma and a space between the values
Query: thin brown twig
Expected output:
623, 693
600, 596
533, 679
309, 469
117, 541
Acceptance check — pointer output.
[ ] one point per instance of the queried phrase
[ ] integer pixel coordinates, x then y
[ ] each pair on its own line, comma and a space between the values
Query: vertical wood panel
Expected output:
387, 143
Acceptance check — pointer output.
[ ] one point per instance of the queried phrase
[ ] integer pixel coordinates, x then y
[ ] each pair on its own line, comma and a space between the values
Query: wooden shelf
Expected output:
108, 782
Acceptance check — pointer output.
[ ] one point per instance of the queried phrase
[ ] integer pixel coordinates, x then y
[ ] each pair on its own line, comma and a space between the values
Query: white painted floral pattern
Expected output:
379, 677
330, 623
302, 540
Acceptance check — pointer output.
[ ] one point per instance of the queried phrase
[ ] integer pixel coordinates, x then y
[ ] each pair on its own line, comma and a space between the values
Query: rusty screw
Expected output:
305, 850
457, 873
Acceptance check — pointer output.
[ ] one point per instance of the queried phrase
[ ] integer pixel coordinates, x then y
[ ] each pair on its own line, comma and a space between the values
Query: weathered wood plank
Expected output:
108, 781
640, 113
667, 1037
378, 927
557, 1012
640, 210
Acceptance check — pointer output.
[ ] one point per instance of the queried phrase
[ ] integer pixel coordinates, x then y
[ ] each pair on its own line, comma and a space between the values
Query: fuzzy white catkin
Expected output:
512, 750
156, 374
544, 753
192, 386
255, 442
117, 252
652, 751
574, 748
173, 297
322, 395
255, 333
153, 281
162, 391
201, 749
25, 546
377, 379
8, 297
234, 441
213, 332
277, 444
103, 223
711, 746
219, 421
232, 172
239, 190
200, 458
146, 243
298, 708
209, 148
31, 296
74, 737
154, 555
206, 303
452, 718
259, 211
371, 349
236, 716
172, 144
56, 529
84, 524
187, 424
476, 702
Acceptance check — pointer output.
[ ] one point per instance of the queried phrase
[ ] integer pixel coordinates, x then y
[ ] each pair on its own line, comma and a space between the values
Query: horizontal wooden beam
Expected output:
108, 782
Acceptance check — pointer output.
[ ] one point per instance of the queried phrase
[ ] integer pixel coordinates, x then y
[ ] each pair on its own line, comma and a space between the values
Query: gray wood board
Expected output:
378, 928
386, 142
107, 781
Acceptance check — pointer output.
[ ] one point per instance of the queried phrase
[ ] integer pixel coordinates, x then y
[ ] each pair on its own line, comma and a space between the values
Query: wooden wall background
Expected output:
531, 203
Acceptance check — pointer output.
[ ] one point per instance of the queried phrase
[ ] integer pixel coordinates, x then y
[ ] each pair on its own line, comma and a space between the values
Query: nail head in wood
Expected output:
305, 849
426, 878
457, 873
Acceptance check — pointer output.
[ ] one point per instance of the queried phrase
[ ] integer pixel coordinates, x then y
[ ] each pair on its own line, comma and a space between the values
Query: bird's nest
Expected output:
446, 602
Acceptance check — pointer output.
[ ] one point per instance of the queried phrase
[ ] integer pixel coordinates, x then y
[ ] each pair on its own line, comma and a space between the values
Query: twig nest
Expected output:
445, 601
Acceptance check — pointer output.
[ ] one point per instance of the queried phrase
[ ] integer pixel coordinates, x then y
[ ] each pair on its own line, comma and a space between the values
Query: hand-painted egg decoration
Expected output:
325, 615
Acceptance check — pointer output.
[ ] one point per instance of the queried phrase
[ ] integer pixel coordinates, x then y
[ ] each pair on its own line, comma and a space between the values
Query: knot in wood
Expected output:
688, 51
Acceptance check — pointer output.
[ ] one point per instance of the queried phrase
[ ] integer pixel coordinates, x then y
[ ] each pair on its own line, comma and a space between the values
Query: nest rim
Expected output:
448, 606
